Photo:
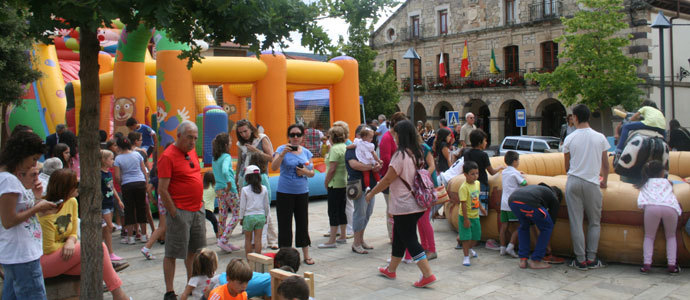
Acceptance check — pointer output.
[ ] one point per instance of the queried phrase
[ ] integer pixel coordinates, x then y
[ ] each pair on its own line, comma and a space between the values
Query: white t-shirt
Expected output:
364, 150
511, 181
454, 170
24, 242
200, 283
585, 147
252, 203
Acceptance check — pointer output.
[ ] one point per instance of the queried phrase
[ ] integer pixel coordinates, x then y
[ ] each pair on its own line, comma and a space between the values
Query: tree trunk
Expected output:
89, 159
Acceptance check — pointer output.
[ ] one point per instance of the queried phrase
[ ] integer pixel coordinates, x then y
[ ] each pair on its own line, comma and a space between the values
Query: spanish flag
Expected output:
493, 68
465, 63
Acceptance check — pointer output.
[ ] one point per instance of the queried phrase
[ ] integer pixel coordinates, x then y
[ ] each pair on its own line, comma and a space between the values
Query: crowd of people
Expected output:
40, 217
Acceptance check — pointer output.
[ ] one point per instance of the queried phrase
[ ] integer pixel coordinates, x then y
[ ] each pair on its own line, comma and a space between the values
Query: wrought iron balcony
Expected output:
412, 33
475, 80
545, 10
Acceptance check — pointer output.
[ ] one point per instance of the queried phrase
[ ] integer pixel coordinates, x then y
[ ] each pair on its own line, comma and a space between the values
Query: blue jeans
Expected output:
23, 281
632, 126
539, 217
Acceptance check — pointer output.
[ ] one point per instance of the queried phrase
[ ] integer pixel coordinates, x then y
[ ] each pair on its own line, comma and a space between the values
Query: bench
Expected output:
278, 275
63, 287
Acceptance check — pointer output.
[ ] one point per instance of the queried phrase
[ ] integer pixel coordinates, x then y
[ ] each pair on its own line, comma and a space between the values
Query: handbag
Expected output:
353, 189
441, 195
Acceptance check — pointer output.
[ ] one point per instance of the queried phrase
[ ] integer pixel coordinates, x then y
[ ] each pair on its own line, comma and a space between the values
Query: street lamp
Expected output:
411, 55
661, 23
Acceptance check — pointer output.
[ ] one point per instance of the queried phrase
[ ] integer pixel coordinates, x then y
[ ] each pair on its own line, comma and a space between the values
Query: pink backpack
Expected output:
423, 188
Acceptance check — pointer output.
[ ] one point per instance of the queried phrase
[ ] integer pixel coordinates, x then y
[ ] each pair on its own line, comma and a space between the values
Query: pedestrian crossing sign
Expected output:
452, 117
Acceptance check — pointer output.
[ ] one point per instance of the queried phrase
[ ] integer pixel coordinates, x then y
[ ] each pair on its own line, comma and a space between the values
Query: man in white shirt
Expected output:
586, 161
464, 138
382, 129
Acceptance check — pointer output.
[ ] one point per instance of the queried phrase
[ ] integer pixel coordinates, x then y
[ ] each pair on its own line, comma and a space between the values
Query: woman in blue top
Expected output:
130, 172
226, 190
292, 195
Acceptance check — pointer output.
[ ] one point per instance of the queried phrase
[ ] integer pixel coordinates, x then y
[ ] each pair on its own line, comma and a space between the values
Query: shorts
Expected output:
474, 233
186, 233
253, 222
105, 211
508, 216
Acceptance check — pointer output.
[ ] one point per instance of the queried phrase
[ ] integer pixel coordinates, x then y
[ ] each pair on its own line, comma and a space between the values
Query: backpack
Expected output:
422, 188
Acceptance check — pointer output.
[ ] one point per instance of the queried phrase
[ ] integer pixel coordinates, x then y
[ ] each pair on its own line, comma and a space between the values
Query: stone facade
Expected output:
486, 26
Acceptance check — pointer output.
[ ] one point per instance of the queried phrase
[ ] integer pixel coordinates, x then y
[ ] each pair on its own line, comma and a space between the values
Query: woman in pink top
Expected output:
403, 206
387, 147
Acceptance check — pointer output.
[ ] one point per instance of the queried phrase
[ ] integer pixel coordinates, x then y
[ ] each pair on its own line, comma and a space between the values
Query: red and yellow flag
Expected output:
465, 63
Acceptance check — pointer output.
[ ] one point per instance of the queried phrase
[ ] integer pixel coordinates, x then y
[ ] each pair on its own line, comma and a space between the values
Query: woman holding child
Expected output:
403, 206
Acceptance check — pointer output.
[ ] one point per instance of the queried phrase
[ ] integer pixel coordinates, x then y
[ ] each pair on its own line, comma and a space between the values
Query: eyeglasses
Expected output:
295, 135
191, 164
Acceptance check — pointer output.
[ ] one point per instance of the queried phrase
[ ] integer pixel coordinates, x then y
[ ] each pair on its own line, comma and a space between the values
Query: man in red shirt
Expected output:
181, 190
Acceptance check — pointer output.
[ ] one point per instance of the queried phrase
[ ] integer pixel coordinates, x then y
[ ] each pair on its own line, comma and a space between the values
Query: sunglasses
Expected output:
295, 135
191, 164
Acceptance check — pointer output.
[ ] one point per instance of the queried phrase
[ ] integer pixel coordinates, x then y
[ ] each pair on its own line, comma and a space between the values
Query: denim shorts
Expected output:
23, 281
106, 211
253, 222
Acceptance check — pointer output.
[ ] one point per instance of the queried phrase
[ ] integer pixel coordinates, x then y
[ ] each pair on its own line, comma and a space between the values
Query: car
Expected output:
529, 144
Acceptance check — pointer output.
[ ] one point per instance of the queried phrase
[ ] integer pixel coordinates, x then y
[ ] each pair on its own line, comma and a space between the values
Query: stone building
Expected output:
521, 34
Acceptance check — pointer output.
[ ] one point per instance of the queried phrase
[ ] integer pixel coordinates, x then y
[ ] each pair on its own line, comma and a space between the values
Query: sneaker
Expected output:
114, 257
502, 251
143, 239
407, 261
582, 266
595, 264
466, 261
673, 269
492, 245
425, 281
147, 253
645, 269
554, 260
458, 246
431, 255
170, 296
473, 253
131, 240
124, 240
117, 227
512, 253
388, 274
119, 266
328, 234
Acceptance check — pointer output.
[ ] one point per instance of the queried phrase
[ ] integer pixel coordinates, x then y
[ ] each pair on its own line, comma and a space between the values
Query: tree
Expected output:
15, 65
596, 72
380, 91
214, 21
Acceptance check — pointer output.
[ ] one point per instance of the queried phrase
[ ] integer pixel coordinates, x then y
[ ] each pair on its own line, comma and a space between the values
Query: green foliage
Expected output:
379, 90
595, 71
15, 45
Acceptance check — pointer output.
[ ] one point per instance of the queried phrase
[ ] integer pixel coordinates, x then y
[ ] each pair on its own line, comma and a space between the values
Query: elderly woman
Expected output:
335, 185
49, 166
20, 234
292, 196
349, 207
362, 209
61, 249
406, 212
252, 143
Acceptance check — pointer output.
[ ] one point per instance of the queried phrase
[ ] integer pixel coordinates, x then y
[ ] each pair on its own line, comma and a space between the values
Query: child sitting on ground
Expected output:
209, 197
203, 271
469, 229
238, 274
366, 152
512, 180
107, 204
254, 207
293, 288
659, 203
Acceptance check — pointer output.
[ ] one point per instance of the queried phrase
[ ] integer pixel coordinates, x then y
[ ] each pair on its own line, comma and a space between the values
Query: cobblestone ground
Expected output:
342, 274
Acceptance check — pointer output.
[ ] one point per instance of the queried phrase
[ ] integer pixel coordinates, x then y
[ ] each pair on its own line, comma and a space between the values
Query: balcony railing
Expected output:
412, 33
545, 10
476, 80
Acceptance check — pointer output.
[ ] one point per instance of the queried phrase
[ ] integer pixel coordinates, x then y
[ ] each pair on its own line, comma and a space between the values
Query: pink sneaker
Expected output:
388, 274
114, 257
425, 281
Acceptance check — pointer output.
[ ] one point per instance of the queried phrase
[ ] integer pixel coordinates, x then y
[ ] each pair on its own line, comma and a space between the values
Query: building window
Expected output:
417, 69
446, 66
415, 26
549, 55
391, 64
443, 22
512, 60
391, 34
548, 8
510, 11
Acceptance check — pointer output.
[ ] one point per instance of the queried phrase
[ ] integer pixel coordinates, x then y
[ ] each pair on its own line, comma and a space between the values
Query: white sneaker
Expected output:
124, 240
143, 238
466, 261
502, 251
117, 227
131, 240
407, 261
473, 253
512, 253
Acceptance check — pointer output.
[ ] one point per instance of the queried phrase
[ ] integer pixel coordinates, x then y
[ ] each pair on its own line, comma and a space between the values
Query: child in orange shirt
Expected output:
238, 273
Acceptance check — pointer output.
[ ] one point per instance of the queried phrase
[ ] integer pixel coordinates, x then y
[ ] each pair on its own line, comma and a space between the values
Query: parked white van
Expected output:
529, 144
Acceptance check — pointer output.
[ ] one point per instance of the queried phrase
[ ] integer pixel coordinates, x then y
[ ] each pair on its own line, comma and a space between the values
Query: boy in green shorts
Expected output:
469, 229
512, 180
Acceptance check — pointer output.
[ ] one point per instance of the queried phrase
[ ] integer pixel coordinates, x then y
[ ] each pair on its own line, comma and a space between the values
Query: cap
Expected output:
251, 169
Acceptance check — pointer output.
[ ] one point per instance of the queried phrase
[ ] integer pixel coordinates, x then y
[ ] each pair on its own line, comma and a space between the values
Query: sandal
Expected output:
359, 250
309, 261
365, 246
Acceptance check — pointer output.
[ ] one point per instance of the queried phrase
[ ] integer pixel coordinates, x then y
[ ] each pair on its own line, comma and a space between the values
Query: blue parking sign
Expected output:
520, 118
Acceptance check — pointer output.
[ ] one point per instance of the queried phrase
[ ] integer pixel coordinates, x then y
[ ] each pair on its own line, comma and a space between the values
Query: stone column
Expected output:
496, 124
533, 125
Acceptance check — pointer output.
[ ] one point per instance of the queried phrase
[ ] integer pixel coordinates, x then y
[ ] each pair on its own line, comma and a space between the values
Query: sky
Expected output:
335, 27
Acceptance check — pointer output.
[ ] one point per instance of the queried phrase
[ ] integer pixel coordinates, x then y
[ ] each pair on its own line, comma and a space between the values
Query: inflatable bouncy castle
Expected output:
622, 230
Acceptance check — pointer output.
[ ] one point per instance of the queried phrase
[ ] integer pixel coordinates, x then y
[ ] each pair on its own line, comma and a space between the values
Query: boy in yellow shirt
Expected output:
469, 229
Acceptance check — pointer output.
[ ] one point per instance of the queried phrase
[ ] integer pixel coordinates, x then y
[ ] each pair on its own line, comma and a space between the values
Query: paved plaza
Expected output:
343, 274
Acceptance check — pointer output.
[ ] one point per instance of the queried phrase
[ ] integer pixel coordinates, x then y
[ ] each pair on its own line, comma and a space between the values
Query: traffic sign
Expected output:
520, 118
452, 117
